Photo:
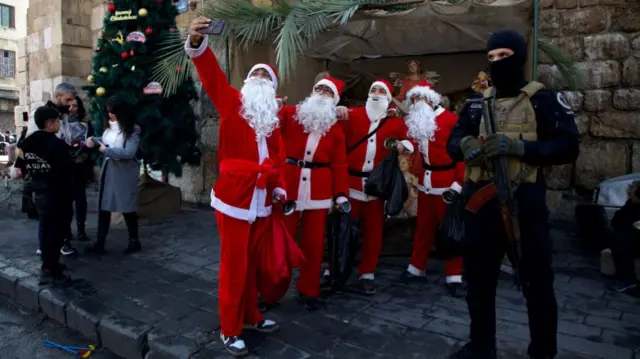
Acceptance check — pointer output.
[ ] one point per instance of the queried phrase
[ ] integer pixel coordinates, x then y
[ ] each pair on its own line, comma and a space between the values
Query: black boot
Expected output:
98, 247
134, 246
82, 235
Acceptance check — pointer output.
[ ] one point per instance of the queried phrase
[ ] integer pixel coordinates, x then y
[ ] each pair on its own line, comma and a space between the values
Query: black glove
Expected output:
472, 151
501, 145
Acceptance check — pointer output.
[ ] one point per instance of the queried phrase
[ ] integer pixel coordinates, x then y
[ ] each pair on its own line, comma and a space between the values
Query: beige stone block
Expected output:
47, 89
99, 2
81, 54
21, 79
22, 47
33, 42
586, 3
560, 177
21, 64
35, 91
566, 4
600, 160
635, 46
546, 4
606, 47
191, 183
550, 76
561, 207
97, 17
597, 100
24, 95
585, 21
572, 46
583, 120
616, 124
635, 157
626, 99
575, 99
550, 23
625, 17
72, 68
76, 35
601, 74
631, 72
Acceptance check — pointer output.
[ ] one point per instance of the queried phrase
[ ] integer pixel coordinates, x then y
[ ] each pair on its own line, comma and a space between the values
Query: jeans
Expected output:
104, 221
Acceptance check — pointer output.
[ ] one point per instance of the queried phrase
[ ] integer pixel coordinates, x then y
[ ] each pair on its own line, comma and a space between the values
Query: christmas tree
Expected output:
123, 65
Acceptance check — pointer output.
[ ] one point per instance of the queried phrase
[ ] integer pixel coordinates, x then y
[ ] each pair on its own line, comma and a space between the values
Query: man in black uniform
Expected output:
47, 165
534, 129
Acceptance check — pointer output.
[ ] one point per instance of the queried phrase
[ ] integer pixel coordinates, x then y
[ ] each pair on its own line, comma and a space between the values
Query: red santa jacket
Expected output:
250, 170
313, 188
370, 153
435, 170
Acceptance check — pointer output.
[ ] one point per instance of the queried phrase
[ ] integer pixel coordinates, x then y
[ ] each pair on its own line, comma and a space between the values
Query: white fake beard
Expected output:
317, 114
421, 124
259, 106
377, 106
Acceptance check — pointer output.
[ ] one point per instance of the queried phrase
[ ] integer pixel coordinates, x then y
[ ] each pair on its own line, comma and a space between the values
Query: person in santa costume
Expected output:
316, 176
429, 126
249, 155
366, 129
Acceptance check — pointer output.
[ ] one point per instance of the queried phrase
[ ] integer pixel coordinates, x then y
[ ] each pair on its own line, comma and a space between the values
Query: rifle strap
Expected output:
365, 138
481, 197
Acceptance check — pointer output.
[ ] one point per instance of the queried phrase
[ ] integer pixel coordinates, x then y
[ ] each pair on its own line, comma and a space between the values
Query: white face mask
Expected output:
259, 106
317, 113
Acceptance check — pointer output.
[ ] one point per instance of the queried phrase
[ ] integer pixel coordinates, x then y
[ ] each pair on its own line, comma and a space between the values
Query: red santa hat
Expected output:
269, 69
335, 85
385, 85
424, 90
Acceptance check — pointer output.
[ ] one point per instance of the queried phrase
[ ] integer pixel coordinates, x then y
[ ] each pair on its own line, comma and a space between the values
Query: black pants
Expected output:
104, 220
80, 200
484, 247
625, 244
51, 228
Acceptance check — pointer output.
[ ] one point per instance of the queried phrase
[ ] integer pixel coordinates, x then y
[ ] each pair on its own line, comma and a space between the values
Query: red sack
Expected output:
279, 254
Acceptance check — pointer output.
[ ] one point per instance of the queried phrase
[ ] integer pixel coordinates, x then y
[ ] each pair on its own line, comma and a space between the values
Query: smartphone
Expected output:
215, 28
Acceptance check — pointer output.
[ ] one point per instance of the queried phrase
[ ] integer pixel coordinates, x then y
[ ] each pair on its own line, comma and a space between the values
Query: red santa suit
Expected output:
436, 173
316, 175
362, 160
242, 195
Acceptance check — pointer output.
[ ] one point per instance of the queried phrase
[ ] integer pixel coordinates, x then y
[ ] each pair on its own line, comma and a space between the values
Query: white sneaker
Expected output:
38, 252
265, 326
234, 345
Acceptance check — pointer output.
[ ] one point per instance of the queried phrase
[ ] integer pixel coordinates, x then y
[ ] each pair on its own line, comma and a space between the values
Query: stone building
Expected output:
603, 36
13, 27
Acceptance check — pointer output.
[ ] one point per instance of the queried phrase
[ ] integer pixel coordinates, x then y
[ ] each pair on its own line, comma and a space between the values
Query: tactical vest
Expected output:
515, 118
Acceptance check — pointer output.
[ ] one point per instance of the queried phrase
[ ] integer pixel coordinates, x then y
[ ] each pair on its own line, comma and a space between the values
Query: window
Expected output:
7, 16
7, 64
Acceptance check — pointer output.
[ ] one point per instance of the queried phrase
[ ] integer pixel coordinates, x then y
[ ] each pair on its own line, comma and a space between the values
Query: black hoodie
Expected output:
46, 164
630, 212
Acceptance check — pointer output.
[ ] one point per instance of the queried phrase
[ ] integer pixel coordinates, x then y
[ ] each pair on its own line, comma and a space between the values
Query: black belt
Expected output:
305, 164
358, 173
438, 168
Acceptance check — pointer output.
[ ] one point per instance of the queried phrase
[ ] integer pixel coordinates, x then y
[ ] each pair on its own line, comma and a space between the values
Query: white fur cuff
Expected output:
193, 53
279, 192
407, 145
456, 187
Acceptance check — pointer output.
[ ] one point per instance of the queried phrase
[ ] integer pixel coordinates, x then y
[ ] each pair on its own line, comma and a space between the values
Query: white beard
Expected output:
421, 124
376, 107
317, 114
259, 106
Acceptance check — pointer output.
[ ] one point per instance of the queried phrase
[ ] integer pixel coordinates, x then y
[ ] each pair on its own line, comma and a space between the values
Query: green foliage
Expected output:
168, 124
567, 68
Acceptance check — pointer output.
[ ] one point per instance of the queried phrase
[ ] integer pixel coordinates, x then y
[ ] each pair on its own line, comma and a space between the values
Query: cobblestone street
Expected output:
162, 303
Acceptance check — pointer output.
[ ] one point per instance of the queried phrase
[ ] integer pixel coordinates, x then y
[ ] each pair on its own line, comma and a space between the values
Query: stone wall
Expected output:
603, 38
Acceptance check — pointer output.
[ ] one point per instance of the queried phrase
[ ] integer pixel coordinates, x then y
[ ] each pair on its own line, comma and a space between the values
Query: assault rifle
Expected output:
507, 203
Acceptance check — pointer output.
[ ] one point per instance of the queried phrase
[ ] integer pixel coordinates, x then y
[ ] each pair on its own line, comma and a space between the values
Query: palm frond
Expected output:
173, 67
567, 68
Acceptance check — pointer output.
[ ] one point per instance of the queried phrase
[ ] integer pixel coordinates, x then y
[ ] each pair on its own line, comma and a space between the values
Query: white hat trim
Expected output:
268, 69
332, 86
425, 92
384, 86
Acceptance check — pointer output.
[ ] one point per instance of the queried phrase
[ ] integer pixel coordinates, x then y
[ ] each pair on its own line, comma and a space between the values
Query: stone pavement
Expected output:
162, 303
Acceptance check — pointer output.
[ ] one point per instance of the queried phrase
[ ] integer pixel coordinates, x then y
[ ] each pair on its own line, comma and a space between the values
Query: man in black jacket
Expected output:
47, 171
625, 241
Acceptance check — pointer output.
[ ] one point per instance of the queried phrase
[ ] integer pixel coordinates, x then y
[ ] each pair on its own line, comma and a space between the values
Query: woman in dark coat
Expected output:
625, 241
120, 172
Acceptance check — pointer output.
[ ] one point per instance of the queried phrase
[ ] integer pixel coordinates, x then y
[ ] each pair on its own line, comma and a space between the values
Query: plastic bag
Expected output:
379, 183
279, 255
399, 194
451, 230
74, 133
343, 241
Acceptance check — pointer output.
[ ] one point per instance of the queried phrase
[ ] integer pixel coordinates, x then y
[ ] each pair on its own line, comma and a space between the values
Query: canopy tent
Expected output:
433, 27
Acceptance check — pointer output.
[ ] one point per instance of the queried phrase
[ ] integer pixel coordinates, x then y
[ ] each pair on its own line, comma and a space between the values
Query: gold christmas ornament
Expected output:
100, 91
143, 12
104, 69
90, 79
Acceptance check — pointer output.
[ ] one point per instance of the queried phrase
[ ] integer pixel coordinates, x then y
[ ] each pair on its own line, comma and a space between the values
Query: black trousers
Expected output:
625, 244
53, 218
484, 247
80, 200
104, 221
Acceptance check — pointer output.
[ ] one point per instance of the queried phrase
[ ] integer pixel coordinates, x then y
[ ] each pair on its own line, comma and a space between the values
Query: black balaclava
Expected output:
507, 75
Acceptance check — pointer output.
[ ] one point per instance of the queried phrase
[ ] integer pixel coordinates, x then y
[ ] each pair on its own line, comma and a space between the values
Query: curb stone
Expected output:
27, 293
84, 316
163, 345
124, 336
9, 276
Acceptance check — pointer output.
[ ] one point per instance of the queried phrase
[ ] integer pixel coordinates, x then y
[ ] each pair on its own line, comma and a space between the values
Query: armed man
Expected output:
508, 138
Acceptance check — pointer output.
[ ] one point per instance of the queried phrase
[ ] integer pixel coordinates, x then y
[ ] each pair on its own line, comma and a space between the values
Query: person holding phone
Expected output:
120, 173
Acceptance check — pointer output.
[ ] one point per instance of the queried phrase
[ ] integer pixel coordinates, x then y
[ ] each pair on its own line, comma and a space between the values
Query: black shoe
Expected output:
623, 286
134, 247
407, 278
457, 290
67, 250
264, 307
311, 303
53, 277
325, 281
265, 326
468, 352
82, 236
97, 248
234, 345
366, 287
46, 277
